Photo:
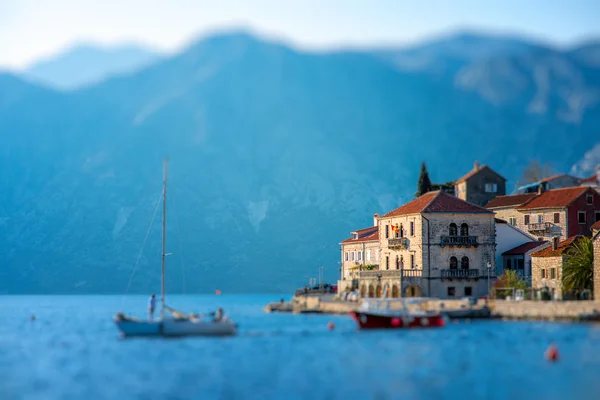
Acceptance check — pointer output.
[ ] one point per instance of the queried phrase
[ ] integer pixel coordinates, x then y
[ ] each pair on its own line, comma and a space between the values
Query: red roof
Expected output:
524, 248
476, 170
512, 200
560, 249
370, 234
595, 226
437, 202
555, 198
591, 179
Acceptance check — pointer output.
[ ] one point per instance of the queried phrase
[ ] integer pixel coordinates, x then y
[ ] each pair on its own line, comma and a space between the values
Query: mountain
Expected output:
87, 64
275, 156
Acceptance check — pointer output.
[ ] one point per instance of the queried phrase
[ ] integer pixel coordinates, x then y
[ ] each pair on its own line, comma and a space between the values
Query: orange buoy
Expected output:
217, 291
331, 325
552, 353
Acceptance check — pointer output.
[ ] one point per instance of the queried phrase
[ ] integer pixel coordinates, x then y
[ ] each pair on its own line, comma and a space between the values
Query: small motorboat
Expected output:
376, 314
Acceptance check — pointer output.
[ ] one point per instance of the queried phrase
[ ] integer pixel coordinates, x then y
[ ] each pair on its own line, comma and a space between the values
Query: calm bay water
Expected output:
73, 351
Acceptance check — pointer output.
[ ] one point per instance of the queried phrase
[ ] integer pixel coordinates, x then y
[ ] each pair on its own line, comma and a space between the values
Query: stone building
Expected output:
547, 265
552, 182
559, 212
480, 185
596, 243
360, 251
435, 246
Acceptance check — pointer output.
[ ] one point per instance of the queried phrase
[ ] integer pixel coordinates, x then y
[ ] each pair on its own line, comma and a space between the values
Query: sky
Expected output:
34, 29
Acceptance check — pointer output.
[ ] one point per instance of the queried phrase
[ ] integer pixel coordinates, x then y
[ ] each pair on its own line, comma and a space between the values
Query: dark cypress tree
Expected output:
424, 184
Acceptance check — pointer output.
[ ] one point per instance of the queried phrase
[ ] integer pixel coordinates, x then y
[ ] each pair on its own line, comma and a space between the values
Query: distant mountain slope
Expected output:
89, 64
275, 156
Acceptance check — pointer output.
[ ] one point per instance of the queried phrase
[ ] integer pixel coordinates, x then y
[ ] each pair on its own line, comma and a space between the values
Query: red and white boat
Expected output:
375, 314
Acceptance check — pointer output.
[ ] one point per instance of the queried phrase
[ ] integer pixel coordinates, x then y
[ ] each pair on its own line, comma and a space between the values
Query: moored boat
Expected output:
375, 314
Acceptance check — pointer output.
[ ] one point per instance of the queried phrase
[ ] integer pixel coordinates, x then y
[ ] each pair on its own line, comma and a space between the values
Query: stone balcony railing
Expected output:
459, 241
392, 273
459, 273
543, 228
398, 243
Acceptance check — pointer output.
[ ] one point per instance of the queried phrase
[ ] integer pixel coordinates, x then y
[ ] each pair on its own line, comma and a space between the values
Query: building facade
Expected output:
359, 252
560, 212
509, 237
435, 246
480, 185
596, 243
558, 181
547, 266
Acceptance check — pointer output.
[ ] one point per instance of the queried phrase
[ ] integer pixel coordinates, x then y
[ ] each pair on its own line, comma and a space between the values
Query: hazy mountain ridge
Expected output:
275, 156
88, 64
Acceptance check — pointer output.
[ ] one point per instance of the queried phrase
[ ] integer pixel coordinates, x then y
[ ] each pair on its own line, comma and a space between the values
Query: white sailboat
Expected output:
178, 323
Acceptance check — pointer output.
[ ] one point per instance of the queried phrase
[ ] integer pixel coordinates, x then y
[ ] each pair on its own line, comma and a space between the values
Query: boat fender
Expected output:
396, 322
363, 319
424, 322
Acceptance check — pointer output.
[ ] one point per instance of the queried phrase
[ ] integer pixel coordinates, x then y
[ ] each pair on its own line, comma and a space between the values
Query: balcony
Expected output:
412, 273
392, 273
543, 228
398, 243
460, 241
459, 273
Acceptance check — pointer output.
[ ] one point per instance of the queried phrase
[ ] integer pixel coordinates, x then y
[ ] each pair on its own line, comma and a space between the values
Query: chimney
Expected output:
375, 216
554, 242
476, 165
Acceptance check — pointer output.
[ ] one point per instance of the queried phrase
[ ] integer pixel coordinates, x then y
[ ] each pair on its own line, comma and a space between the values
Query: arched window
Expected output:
397, 263
453, 263
464, 230
464, 262
452, 231
401, 231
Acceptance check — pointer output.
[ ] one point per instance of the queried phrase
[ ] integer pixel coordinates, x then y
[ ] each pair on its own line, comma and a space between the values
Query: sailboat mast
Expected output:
164, 238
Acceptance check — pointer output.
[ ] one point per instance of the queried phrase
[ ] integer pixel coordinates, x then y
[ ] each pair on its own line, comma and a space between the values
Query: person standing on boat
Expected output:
219, 314
151, 306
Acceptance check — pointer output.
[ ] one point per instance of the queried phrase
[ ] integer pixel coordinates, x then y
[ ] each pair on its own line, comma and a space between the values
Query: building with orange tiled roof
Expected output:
547, 266
562, 212
358, 251
557, 181
436, 245
480, 185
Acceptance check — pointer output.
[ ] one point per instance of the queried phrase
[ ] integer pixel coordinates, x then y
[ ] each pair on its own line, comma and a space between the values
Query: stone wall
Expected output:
360, 253
476, 193
547, 263
596, 241
558, 229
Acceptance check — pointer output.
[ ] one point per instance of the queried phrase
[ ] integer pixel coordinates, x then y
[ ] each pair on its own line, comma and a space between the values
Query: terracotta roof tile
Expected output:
369, 234
476, 171
595, 226
437, 202
524, 248
555, 198
560, 249
512, 200
591, 179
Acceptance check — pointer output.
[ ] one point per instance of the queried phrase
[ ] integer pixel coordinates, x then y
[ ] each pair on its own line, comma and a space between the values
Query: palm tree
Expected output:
578, 270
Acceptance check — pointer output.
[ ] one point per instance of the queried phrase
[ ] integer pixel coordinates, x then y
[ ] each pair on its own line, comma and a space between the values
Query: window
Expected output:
464, 230
540, 218
397, 263
376, 254
468, 291
556, 218
543, 273
597, 216
401, 230
387, 262
412, 260
464, 262
491, 188
355, 236
451, 291
508, 264
589, 199
512, 221
368, 255
359, 258
581, 217
526, 219
453, 263
352, 255
387, 231
521, 264
552, 273
412, 228
452, 229
346, 256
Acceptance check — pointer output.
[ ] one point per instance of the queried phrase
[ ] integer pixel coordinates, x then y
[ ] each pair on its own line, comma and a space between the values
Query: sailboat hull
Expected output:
174, 328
